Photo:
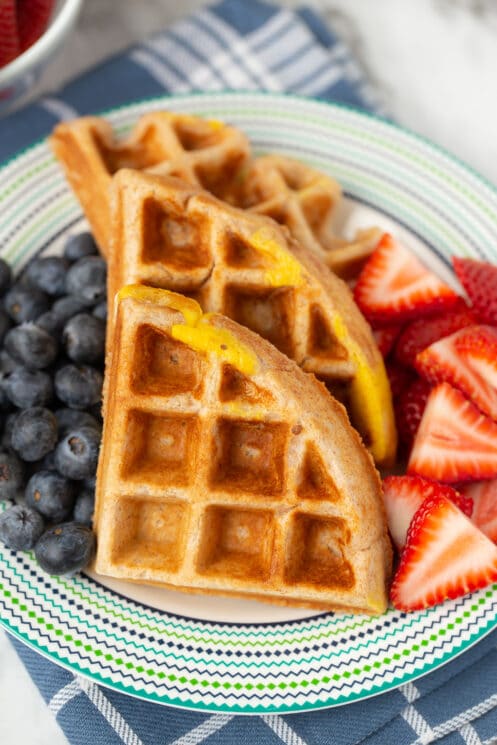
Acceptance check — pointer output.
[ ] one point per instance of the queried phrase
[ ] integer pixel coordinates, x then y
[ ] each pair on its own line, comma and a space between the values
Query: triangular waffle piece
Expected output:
202, 494
202, 152
247, 267
305, 201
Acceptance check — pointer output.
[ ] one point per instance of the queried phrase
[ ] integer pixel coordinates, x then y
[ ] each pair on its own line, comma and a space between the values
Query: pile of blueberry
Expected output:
52, 345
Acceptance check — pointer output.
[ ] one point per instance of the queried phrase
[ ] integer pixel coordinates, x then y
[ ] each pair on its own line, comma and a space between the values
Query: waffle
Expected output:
169, 235
202, 152
306, 201
225, 469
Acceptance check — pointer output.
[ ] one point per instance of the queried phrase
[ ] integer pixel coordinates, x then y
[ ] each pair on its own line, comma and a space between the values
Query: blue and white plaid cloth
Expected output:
247, 44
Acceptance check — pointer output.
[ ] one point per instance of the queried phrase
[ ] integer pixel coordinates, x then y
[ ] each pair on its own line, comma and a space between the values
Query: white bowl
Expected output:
19, 75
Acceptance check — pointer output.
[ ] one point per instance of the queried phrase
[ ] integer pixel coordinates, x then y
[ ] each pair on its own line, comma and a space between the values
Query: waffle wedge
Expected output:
306, 200
202, 152
245, 266
225, 469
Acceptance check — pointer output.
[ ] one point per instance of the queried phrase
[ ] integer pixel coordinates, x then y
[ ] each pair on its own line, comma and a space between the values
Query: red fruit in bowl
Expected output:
394, 286
9, 39
32, 19
455, 441
404, 495
445, 556
479, 279
420, 334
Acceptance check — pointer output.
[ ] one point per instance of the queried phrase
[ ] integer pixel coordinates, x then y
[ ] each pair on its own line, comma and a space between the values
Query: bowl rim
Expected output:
46, 44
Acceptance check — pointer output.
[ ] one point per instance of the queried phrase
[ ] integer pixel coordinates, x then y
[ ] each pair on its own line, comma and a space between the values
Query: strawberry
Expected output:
445, 556
468, 361
394, 286
484, 496
400, 378
418, 335
9, 39
455, 441
385, 338
479, 279
409, 408
404, 495
32, 19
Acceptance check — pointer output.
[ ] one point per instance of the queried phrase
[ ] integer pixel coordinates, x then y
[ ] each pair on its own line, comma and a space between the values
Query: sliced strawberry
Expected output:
445, 556
479, 279
404, 495
9, 38
409, 408
394, 286
484, 496
468, 361
32, 18
455, 441
385, 338
418, 335
400, 378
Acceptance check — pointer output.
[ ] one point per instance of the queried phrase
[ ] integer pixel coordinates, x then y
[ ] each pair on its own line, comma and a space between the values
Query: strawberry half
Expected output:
420, 334
385, 338
468, 361
409, 408
445, 556
9, 39
400, 378
484, 496
32, 19
404, 495
479, 279
394, 286
455, 441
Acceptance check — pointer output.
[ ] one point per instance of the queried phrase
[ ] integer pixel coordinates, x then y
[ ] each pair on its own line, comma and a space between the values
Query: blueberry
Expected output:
7, 363
47, 463
86, 279
8, 428
76, 454
66, 307
5, 324
49, 322
47, 274
85, 507
21, 527
5, 276
26, 388
80, 245
78, 387
51, 494
100, 311
11, 476
35, 433
84, 339
66, 548
31, 345
69, 419
25, 303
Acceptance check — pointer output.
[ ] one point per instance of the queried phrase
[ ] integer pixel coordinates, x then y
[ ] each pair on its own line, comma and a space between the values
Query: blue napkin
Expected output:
247, 44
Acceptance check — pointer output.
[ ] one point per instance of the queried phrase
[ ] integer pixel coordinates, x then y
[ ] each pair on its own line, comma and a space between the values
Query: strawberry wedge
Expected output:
484, 497
9, 38
479, 279
420, 334
394, 286
445, 556
468, 361
455, 441
404, 495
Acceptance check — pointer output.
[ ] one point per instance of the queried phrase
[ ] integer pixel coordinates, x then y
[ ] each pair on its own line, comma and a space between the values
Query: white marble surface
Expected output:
435, 64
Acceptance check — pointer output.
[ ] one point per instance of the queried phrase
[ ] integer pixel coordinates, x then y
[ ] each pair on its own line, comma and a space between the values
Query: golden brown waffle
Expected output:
305, 201
225, 469
202, 152
245, 266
